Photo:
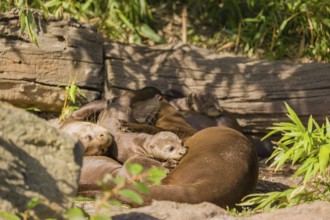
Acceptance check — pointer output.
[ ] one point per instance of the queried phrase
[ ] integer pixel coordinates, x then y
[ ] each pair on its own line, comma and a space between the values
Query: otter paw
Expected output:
170, 164
123, 125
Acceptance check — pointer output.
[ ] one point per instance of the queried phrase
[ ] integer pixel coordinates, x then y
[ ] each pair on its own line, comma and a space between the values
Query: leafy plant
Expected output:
23, 215
139, 181
127, 188
72, 91
125, 20
310, 148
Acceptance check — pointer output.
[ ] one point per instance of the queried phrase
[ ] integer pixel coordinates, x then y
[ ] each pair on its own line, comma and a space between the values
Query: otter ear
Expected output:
159, 97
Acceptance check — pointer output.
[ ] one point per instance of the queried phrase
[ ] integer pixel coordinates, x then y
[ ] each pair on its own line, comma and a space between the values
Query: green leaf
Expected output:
8, 216
155, 175
296, 191
118, 180
86, 5
146, 31
114, 202
124, 19
297, 155
76, 214
65, 5
293, 116
52, 3
30, 22
33, 203
134, 169
310, 124
141, 187
130, 194
73, 93
324, 155
100, 217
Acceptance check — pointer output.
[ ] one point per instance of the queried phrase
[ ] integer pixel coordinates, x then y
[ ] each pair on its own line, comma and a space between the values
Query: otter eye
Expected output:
170, 148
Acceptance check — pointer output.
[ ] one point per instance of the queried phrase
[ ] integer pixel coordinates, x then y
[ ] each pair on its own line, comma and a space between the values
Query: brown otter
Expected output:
95, 139
203, 111
164, 145
221, 165
95, 168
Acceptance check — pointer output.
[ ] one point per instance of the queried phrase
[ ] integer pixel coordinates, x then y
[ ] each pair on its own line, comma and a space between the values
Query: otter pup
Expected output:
163, 146
95, 139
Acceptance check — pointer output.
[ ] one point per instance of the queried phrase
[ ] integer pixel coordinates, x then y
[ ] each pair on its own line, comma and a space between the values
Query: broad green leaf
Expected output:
134, 169
114, 202
324, 155
130, 194
76, 214
118, 180
155, 175
8, 216
141, 187
100, 217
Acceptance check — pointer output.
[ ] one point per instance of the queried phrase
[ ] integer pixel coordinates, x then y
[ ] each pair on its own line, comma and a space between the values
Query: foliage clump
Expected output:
112, 186
309, 147
266, 29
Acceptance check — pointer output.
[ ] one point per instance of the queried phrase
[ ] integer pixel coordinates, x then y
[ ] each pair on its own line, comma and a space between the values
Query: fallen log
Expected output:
253, 90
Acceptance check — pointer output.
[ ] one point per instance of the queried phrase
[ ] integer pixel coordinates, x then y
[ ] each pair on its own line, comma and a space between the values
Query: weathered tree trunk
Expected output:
31, 75
253, 90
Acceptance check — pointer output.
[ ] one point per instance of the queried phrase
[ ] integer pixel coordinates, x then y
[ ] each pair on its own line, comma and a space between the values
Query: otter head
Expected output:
166, 145
145, 111
205, 104
96, 139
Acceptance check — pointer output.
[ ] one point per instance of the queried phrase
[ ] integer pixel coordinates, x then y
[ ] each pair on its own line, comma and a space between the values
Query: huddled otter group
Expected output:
216, 164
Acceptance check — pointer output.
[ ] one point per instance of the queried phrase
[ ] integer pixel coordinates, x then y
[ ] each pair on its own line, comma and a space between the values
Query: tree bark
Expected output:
68, 51
253, 90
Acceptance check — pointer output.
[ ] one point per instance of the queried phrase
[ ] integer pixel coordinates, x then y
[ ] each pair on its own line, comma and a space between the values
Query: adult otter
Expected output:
203, 111
221, 165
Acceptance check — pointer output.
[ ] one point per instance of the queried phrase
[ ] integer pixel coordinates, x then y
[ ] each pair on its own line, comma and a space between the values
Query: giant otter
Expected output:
221, 165
203, 111
95, 139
